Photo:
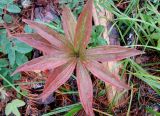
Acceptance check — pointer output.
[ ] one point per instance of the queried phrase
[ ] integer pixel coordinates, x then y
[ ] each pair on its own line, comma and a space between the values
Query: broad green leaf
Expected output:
16, 77
96, 39
7, 18
8, 78
1, 11
155, 36
20, 58
11, 56
22, 47
4, 71
8, 109
18, 103
13, 107
1, 20
3, 94
3, 62
4, 42
7, 46
6, 1
2, 5
13, 8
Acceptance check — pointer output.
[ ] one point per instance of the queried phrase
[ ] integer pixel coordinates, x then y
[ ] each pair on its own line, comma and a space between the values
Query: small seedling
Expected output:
65, 53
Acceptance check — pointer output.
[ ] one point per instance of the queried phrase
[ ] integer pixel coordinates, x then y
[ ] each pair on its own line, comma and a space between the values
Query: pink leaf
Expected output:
84, 26
58, 78
44, 62
105, 75
52, 74
69, 23
37, 42
85, 88
111, 53
107, 49
47, 33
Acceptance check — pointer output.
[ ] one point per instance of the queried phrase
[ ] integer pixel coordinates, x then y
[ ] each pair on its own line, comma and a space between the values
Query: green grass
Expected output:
143, 20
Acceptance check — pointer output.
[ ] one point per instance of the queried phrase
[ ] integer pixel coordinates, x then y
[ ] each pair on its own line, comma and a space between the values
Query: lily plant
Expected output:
65, 54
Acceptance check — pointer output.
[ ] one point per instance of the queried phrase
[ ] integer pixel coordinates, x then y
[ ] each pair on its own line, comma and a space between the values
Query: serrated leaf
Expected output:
6, 1
13, 107
18, 103
155, 36
20, 58
16, 77
8, 109
1, 20
7, 18
4, 42
11, 56
1, 11
2, 5
3, 62
3, 94
4, 72
13, 8
8, 78
22, 47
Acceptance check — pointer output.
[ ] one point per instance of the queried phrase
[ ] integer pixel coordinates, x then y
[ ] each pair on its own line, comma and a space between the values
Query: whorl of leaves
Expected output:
65, 53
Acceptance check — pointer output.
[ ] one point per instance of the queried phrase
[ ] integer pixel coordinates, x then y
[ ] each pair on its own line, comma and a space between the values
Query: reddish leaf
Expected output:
69, 23
59, 79
106, 49
85, 89
84, 26
100, 72
37, 42
62, 64
111, 53
52, 74
47, 33
43, 63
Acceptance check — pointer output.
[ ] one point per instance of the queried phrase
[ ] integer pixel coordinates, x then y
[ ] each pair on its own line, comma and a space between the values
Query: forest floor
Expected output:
137, 25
